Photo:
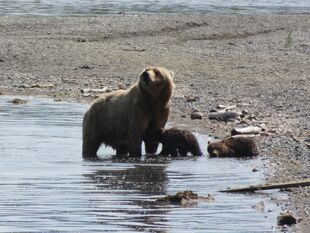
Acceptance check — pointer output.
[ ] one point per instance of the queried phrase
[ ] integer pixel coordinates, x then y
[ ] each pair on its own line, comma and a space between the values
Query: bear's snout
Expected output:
146, 77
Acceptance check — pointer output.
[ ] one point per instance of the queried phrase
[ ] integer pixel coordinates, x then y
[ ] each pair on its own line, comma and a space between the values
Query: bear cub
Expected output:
176, 141
237, 146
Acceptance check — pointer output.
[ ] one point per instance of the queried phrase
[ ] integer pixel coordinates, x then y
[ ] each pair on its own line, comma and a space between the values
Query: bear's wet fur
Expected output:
236, 146
120, 118
176, 141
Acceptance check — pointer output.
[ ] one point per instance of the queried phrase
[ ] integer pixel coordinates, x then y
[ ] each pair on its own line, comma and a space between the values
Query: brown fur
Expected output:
233, 147
120, 119
176, 141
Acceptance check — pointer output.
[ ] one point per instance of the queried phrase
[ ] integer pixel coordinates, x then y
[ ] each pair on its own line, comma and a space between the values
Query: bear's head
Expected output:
219, 149
157, 81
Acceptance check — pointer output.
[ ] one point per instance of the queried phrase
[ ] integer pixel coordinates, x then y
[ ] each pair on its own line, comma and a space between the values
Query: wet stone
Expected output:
286, 218
255, 169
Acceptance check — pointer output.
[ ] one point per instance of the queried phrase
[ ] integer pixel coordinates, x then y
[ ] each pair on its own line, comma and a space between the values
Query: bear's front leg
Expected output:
135, 140
135, 148
91, 138
159, 121
150, 146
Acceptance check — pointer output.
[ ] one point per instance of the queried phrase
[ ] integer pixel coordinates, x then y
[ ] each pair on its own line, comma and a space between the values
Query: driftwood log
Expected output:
253, 188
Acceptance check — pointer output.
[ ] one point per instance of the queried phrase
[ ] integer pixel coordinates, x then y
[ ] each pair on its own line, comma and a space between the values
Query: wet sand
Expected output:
259, 62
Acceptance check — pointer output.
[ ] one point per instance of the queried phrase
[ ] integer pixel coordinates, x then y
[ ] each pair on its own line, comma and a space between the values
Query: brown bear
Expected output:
176, 141
237, 146
120, 118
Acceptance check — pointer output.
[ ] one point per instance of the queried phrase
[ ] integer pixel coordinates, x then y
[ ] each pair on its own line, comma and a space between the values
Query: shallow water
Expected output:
91, 7
45, 186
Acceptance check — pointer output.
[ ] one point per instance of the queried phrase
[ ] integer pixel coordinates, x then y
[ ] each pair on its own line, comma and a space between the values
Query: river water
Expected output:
95, 7
46, 186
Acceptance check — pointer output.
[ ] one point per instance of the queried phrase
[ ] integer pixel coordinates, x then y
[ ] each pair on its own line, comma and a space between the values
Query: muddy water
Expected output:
45, 186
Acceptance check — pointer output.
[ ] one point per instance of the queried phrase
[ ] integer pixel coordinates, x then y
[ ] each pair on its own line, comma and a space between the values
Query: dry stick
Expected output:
254, 188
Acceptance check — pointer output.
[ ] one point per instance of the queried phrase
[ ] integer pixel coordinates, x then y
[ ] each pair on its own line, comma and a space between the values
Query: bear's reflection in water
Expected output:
131, 189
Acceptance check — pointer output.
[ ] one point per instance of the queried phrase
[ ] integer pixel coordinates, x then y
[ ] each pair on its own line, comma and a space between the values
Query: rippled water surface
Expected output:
45, 186
82, 7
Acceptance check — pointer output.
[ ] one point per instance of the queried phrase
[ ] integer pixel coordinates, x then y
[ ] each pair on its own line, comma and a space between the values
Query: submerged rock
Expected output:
184, 198
260, 206
18, 101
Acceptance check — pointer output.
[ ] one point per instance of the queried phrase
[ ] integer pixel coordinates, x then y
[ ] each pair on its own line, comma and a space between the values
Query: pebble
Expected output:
254, 169
191, 99
86, 67
80, 39
196, 115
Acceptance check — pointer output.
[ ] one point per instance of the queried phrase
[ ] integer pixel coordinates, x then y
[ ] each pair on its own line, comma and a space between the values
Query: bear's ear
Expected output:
172, 74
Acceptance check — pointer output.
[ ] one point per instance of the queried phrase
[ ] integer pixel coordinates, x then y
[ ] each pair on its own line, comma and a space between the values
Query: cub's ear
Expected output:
172, 74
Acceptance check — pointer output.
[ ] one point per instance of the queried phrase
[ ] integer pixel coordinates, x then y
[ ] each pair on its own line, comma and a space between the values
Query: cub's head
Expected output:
218, 149
157, 81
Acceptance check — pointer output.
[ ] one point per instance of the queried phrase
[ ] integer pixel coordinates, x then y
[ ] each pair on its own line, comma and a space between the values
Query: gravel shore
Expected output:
260, 63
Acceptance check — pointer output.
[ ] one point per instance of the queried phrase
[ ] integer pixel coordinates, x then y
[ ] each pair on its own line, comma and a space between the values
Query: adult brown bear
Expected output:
121, 118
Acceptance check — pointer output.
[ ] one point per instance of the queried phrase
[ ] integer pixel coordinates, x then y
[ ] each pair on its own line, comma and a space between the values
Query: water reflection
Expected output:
141, 179
139, 184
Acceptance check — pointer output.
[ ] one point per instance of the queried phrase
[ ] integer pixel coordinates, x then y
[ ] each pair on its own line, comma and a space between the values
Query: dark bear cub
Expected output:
175, 141
236, 146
